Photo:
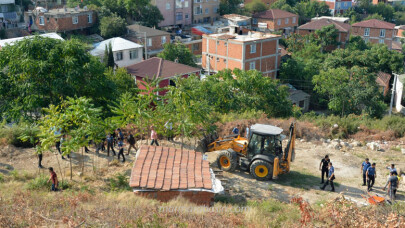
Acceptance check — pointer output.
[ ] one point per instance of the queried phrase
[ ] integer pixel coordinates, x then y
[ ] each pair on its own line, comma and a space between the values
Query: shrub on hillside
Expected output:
119, 183
13, 134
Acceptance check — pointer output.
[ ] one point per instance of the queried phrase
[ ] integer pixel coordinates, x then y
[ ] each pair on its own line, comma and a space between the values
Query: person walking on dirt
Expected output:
331, 178
323, 166
392, 185
54, 179
131, 141
392, 169
121, 150
153, 136
169, 131
110, 144
364, 167
235, 130
371, 175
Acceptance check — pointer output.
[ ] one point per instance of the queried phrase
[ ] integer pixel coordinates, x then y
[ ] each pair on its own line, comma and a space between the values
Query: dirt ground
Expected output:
303, 180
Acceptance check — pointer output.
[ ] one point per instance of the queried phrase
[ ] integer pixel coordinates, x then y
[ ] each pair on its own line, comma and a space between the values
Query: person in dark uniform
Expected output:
323, 166
371, 175
121, 149
331, 178
131, 141
110, 142
364, 167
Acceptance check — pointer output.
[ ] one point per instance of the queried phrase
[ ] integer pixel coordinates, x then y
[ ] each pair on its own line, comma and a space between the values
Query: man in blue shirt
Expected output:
235, 130
331, 175
364, 167
371, 175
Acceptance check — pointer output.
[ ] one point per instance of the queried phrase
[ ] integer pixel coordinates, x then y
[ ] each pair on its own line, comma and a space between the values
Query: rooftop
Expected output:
158, 67
236, 17
318, 24
117, 44
150, 32
164, 168
274, 14
339, 19
374, 23
251, 36
62, 11
13, 40
383, 78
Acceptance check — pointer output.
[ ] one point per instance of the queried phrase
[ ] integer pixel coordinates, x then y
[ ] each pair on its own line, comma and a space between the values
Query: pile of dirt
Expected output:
366, 134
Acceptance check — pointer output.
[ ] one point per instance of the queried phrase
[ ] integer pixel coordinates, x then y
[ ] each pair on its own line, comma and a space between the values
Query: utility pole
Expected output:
393, 92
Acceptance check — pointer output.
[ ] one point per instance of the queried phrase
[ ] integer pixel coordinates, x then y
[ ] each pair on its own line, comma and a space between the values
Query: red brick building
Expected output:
312, 26
254, 51
275, 20
160, 68
165, 173
61, 20
155, 39
375, 31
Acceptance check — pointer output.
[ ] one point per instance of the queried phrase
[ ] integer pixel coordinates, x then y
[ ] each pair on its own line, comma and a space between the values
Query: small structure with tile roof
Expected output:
152, 39
165, 173
275, 20
375, 31
383, 82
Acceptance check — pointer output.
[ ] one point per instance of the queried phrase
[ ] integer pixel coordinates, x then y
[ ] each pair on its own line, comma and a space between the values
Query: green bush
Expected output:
14, 134
119, 183
1, 178
232, 116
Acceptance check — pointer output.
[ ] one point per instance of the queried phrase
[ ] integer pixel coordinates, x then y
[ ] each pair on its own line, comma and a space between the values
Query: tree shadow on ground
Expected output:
5, 168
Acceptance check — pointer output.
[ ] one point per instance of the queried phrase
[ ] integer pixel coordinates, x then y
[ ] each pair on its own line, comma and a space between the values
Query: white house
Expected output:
125, 52
399, 93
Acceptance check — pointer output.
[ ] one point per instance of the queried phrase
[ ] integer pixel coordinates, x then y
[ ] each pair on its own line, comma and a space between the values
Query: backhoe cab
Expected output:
262, 154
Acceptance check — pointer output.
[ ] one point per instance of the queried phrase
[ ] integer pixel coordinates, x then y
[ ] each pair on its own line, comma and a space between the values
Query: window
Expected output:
345, 4
47, 20
163, 38
301, 104
217, 59
253, 48
186, 16
196, 47
178, 4
133, 54
167, 6
41, 20
118, 56
279, 22
149, 42
207, 11
254, 21
252, 65
366, 39
75, 20
294, 20
366, 31
197, 10
381, 41
382, 32
179, 16
198, 1
337, 5
215, 9
89, 18
286, 21
186, 4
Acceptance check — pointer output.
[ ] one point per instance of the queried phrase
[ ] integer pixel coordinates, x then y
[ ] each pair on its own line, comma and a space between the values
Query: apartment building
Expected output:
61, 20
254, 51
375, 31
205, 11
314, 25
153, 38
337, 6
8, 14
275, 20
175, 12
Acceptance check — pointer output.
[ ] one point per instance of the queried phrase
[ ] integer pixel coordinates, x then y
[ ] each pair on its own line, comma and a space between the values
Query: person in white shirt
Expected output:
169, 131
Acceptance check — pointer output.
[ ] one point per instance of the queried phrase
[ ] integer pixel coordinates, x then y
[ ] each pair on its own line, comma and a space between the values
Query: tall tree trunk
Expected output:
71, 169
60, 169
82, 161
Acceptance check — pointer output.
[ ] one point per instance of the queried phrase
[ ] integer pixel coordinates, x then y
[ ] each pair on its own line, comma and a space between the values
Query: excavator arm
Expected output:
283, 165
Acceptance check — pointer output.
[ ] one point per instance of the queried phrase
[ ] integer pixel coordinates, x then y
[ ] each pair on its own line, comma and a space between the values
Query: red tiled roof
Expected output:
383, 78
318, 24
160, 68
396, 46
274, 14
374, 23
164, 168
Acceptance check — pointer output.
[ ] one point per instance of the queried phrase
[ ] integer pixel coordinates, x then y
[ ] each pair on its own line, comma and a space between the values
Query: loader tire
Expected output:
227, 160
261, 170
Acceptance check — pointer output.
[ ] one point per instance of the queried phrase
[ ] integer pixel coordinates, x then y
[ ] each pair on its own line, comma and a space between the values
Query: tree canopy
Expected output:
177, 52
112, 26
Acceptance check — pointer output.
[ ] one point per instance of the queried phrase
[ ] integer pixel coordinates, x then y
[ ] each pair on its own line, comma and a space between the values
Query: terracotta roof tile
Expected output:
274, 14
383, 78
374, 23
157, 67
163, 168
318, 24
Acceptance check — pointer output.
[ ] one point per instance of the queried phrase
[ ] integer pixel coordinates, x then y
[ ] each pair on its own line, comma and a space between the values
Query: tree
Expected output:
41, 71
374, 16
105, 57
256, 6
177, 52
327, 36
229, 6
150, 16
112, 26
123, 82
356, 43
110, 58
350, 91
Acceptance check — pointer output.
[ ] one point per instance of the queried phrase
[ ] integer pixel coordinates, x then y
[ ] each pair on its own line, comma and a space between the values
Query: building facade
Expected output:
8, 14
275, 20
152, 39
254, 51
125, 52
337, 6
375, 31
205, 11
400, 33
61, 20
175, 12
